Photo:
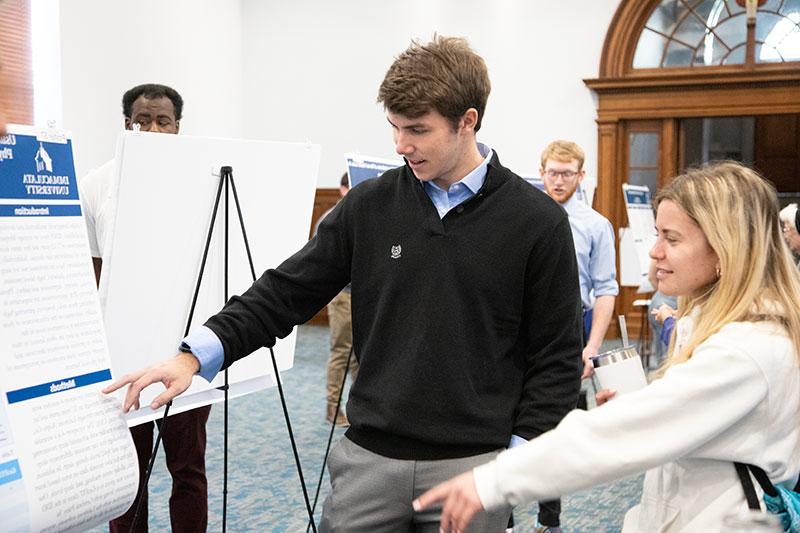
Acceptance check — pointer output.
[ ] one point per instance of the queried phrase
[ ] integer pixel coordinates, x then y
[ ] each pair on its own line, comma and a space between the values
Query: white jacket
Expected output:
736, 399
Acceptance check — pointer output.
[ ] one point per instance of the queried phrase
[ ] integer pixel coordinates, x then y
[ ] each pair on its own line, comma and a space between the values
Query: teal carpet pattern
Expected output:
264, 492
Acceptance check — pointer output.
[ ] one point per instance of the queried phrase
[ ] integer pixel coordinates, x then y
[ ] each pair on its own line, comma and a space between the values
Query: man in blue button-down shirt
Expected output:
562, 172
593, 235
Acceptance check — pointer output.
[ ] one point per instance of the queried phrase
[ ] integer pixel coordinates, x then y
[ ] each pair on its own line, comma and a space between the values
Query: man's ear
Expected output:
177, 126
127, 123
470, 119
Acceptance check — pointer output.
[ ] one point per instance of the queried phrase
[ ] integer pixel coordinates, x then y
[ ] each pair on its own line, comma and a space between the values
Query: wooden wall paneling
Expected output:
16, 71
324, 199
609, 184
708, 101
607, 139
669, 166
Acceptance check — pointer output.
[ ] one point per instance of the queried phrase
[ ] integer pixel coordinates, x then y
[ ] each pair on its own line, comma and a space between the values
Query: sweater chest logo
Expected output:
396, 251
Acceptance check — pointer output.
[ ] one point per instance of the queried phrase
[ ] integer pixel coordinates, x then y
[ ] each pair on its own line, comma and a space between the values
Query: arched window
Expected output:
687, 33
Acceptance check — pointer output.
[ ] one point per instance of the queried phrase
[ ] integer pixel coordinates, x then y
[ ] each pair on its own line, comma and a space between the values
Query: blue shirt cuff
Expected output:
206, 346
516, 440
666, 330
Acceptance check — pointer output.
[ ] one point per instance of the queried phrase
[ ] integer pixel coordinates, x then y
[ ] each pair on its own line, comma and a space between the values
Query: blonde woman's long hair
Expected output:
738, 212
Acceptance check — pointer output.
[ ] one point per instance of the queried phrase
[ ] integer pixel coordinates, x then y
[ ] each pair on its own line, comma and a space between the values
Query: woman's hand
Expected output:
604, 395
460, 502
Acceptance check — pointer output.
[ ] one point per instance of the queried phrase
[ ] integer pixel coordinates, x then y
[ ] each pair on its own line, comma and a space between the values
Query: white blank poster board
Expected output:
165, 192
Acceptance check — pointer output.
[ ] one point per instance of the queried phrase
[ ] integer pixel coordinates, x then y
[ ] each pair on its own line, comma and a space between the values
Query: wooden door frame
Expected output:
673, 98
669, 94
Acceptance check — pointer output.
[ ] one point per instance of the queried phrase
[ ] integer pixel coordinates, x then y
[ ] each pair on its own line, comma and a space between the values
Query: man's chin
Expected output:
564, 198
421, 176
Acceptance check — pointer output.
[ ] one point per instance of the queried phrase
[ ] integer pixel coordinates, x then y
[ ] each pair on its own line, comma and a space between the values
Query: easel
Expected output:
226, 181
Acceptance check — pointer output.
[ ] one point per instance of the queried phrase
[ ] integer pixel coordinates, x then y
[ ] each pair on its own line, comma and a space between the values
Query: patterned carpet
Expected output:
264, 493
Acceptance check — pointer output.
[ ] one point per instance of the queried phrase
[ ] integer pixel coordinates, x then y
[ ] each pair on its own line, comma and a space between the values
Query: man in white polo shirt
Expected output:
157, 109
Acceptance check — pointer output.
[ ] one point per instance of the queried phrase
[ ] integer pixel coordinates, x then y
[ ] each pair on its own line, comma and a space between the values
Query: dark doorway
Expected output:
769, 143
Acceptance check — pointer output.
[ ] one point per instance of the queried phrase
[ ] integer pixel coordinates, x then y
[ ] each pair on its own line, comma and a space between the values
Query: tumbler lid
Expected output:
614, 356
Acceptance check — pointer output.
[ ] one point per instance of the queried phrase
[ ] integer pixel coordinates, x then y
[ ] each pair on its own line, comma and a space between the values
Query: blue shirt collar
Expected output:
474, 180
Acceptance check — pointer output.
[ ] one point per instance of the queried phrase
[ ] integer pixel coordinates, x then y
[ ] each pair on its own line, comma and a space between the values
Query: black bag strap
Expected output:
747, 485
763, 480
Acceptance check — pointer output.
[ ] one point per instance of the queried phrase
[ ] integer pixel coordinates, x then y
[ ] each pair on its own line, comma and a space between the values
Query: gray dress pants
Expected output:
372, 493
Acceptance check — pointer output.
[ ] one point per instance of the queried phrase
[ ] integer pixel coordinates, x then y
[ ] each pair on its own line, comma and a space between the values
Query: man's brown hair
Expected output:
445, 75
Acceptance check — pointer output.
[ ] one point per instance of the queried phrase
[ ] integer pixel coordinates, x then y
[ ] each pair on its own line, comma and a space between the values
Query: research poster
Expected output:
67, 461
360, 168
641, 224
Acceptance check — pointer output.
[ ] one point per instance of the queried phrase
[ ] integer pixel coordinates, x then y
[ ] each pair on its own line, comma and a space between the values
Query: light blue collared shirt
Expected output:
462, 190
594, 247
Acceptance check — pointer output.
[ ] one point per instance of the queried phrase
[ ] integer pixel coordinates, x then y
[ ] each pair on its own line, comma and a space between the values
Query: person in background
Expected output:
562, 172
729, 391
340, 322
660, 315
465, 305
157, 109
790, 221
665, 315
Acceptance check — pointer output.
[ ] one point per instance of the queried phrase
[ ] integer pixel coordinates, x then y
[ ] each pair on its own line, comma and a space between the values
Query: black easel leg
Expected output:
244, 232
226, 174
140, 496
225, 459
274, 362
291, 438
330, 435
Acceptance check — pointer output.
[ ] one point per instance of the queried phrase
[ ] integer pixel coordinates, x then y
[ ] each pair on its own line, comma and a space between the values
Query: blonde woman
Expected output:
729, 391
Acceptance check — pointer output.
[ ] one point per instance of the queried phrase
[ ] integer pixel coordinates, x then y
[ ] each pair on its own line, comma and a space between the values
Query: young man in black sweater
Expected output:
465, 299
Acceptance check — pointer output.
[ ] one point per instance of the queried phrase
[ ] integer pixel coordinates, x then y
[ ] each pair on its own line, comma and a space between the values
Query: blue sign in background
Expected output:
362, 170
49, 168
638, 197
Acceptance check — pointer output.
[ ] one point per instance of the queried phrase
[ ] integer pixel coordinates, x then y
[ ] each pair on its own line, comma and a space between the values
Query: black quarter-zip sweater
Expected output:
467, 328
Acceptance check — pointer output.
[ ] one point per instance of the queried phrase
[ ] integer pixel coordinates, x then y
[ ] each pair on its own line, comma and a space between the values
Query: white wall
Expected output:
310, 69
108, 46
313, 69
